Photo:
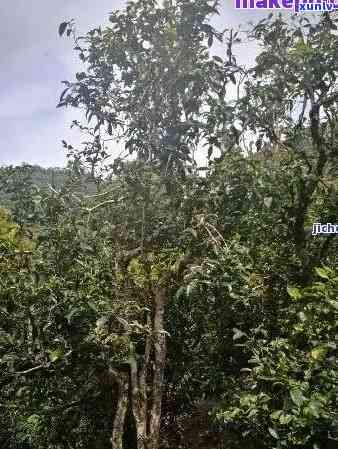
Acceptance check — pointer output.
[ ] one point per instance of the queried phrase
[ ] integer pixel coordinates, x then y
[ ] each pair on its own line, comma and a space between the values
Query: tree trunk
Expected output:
121, 410
138, 404
147, 414
141, 406
160, 350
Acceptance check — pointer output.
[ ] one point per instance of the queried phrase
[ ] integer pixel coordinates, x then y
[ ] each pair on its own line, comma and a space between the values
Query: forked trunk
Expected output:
147, 413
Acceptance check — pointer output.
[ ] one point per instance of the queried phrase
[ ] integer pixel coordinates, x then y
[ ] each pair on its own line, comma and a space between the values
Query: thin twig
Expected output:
30, 370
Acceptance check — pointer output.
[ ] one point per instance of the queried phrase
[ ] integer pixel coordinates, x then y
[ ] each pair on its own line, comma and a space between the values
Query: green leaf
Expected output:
319, 353
238, 334
313, 409
55, 355
285, 419
276, 414
268, 201
334, 304
210, 40
273, 433
302, 316
297, 397
232, 78
323, 272
218, 59
294, 293
62, 28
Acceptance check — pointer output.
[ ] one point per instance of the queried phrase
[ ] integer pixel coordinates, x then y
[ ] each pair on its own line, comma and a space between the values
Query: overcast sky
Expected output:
34, 61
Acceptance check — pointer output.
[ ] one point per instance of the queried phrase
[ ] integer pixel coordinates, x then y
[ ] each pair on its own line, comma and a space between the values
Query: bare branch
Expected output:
30, 370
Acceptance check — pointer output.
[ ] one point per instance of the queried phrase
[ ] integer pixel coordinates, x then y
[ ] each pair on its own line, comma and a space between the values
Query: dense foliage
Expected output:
147, 304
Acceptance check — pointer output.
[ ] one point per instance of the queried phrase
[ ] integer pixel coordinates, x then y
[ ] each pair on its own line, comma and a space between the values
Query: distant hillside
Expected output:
38, 175
18, 183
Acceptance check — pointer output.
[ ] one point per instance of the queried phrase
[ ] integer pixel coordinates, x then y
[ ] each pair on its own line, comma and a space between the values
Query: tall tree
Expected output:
149, 77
